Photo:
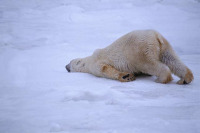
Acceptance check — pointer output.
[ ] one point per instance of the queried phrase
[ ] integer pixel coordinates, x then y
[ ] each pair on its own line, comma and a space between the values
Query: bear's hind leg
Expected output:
112, 73
160, 70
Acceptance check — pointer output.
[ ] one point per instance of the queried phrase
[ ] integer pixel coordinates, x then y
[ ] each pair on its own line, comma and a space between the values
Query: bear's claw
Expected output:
124, 77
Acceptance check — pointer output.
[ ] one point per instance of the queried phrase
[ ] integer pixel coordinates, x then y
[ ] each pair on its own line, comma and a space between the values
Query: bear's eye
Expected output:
78, 62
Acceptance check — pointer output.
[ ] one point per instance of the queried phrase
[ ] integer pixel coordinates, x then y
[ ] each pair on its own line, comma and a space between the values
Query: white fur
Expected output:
142, 51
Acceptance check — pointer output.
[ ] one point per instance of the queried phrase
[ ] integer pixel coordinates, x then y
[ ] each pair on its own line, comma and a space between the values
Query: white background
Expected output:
39, 37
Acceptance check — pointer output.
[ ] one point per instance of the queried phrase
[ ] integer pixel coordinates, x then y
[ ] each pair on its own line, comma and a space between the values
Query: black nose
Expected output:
68, 67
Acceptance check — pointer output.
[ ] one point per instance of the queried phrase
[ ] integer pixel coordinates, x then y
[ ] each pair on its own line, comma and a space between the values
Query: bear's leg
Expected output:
112, 73
160, 70
187, 78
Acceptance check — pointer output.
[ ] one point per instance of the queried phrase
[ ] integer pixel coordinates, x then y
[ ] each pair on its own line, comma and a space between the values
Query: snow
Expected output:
38, 38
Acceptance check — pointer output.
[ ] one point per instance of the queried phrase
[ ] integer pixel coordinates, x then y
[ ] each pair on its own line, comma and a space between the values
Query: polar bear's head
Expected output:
76, 65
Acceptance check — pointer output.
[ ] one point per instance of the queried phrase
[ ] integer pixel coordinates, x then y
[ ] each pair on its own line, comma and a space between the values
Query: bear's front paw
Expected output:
126, 77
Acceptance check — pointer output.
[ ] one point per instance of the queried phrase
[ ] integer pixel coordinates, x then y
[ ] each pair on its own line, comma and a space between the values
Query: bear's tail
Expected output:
169, 57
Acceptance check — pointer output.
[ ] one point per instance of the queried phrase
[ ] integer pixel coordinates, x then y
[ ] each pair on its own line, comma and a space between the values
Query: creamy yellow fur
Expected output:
141, 51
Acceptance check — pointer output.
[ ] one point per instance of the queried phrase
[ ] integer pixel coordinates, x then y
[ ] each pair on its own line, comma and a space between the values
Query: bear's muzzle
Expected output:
68, 67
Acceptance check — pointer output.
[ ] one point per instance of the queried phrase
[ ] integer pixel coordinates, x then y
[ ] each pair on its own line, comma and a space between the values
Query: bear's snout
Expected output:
68, 67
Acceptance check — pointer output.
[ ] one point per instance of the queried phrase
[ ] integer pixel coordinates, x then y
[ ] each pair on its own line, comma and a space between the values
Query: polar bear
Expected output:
141, 51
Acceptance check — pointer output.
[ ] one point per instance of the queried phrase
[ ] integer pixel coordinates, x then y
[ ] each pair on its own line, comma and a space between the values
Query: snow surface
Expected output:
38, 38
